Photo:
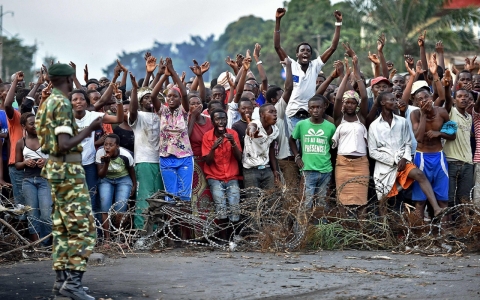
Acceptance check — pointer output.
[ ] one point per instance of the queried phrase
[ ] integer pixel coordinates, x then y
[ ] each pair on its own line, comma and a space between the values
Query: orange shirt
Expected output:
15, 132
107, 128
224, 166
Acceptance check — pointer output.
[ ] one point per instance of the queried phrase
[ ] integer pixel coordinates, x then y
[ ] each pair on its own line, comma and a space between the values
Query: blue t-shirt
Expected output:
260, 100
4, 129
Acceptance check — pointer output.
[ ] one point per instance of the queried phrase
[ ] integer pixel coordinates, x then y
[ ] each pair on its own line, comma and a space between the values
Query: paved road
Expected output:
181, 274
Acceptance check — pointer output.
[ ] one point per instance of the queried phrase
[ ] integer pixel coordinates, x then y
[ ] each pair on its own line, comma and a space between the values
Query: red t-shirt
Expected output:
196, 137
225, 166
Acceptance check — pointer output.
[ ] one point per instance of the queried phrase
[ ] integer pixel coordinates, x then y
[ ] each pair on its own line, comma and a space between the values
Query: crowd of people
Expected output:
413, 133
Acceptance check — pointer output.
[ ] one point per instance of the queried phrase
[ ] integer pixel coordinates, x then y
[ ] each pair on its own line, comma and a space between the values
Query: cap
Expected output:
60, 70
418, 85
380, 79
222, 80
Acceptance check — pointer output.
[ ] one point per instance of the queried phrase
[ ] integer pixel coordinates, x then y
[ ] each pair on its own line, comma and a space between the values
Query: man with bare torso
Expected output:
427, 124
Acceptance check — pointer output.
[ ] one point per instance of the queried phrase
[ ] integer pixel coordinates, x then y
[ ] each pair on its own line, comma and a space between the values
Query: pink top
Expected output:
174, 133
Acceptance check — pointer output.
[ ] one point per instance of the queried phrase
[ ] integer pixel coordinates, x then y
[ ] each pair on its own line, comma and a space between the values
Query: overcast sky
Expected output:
95, 31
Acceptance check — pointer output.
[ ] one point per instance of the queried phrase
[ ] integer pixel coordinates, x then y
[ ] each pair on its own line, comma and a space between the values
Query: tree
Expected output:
17, 57
403, 20
181, 54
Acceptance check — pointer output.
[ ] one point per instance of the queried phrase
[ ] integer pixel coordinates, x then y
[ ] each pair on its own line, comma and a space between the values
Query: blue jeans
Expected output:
294, 120
91, 176
177, 176
16, 176
222, 192
38, 196
316, 184
120, 188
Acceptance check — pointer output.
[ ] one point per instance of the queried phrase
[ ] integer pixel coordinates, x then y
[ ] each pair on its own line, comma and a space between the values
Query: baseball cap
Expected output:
418, 85
380, 79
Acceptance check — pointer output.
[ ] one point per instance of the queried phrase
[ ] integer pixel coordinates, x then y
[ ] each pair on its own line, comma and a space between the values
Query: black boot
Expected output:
72, 287
61, 276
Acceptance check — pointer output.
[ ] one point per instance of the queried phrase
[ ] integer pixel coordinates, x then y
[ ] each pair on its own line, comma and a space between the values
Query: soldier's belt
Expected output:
71, 158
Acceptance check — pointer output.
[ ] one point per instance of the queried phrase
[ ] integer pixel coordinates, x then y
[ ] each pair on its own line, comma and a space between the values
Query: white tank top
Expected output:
350, 137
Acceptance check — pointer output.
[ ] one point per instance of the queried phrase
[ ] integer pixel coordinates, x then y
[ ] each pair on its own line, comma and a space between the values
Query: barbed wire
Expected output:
270, 220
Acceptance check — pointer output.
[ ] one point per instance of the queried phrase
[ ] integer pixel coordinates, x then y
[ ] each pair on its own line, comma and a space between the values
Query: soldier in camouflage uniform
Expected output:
73, 224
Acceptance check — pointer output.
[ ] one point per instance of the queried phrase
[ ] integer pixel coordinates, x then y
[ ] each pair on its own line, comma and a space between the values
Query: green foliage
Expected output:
332, 236
403, 20
181, 54
17, 57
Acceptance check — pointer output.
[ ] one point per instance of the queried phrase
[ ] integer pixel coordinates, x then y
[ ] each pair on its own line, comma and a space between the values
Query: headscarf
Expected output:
351, 95
176, 89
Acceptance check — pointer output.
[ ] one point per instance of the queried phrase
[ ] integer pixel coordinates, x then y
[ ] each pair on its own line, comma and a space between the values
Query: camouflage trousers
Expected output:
73, 227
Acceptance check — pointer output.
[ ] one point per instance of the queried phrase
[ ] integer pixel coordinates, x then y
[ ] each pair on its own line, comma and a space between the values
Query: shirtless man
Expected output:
427, 123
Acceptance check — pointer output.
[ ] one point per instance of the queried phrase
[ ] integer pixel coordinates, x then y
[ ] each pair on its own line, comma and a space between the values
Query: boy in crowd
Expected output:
315, 135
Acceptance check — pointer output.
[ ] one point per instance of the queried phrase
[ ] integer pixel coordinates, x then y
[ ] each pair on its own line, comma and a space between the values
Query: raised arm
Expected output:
75, 79
361, 88
243, 77
383, 63
447, 83
123, 82
261, 69
40, 81
231, 95
276, 34
161, 71
439, 50
337, 107
423, 55
449, 102
432, 67
150, 66
133, 107
107, 95
288, 80
408, 87
118, 118
232, 64
201, 85
376, 61
9, 110
336, 37
178, 82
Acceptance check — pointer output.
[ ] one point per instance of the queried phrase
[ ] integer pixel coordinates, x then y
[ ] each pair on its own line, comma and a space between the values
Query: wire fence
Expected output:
270, 220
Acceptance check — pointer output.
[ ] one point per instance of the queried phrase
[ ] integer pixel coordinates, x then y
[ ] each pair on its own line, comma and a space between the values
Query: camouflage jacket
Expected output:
55, 116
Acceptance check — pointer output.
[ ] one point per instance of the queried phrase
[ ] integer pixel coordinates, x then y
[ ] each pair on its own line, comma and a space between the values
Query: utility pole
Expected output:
1, 39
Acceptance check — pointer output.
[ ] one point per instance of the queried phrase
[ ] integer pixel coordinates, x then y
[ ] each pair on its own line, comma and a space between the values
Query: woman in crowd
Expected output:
117, 179
30, 159
83, 117
351, 171
124, 131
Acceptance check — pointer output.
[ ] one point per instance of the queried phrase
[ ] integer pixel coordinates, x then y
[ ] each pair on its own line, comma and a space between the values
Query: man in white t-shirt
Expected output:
145, 124
304, 71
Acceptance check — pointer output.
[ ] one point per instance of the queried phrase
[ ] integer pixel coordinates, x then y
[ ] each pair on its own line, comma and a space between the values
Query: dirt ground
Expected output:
186, 274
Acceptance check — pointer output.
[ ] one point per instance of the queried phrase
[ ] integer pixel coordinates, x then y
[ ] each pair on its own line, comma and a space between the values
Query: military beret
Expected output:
60, 70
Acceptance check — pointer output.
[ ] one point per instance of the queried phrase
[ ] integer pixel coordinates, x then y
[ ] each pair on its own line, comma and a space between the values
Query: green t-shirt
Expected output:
316, 140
